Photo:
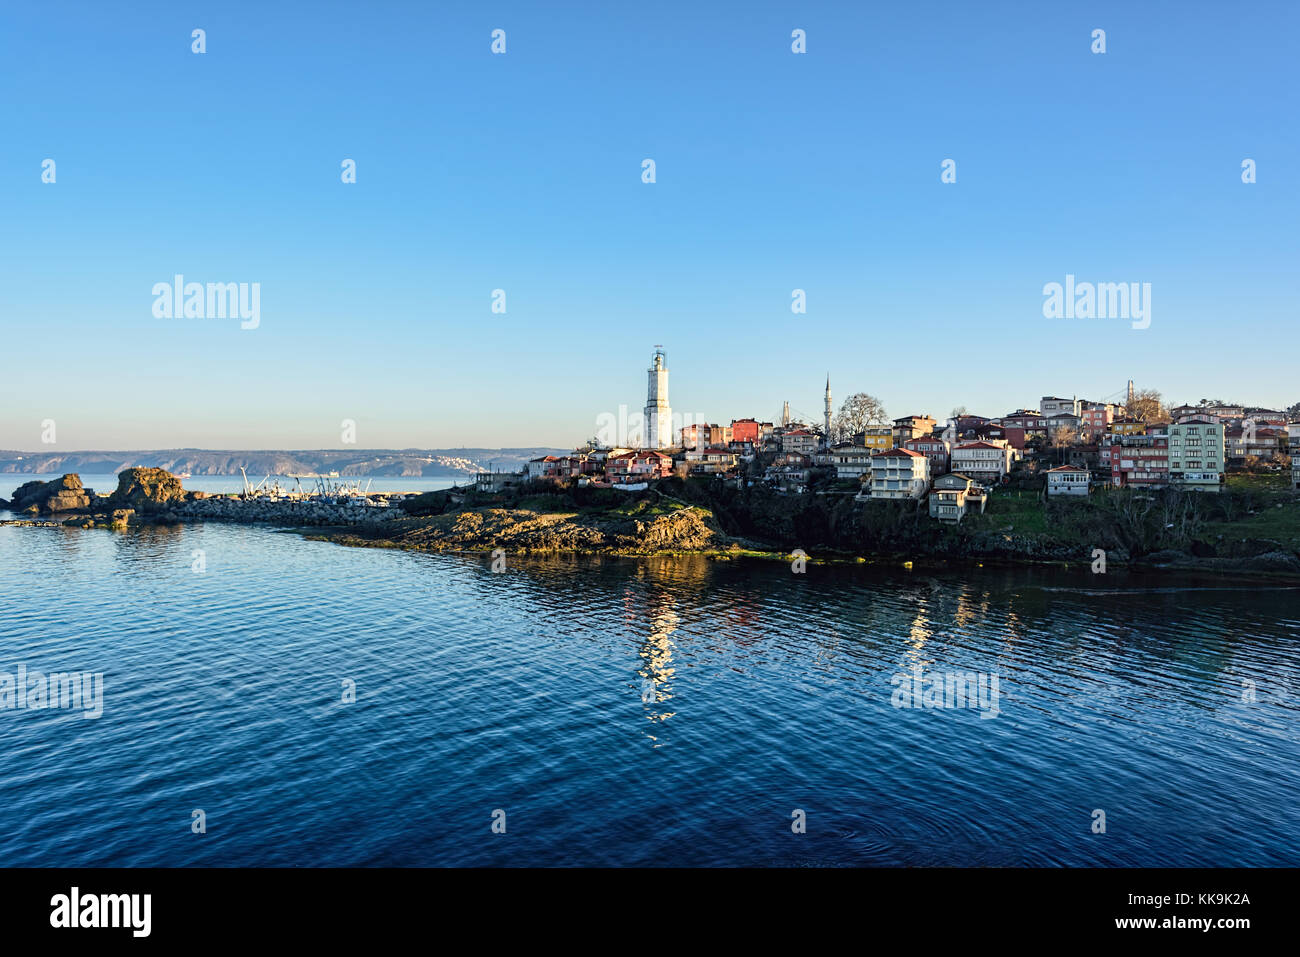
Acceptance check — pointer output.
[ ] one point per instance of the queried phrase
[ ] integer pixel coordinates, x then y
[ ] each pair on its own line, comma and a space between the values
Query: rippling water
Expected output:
631, 712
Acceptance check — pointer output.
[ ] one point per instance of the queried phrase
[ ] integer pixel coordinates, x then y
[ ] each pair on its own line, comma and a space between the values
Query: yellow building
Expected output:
878, 438
1127, 426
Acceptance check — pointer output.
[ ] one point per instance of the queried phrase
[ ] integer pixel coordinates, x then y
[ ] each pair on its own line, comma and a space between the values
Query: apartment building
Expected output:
933, 448
912, 426
849, 461
546, 467
1055, 405
702, 436
1140, 461
1062, 420
1097, 417
1197, 453
954, 495
985, 462
1127, 425
1255, 441
899, 474
1014, 436
802, 441
876, 437
1027, 419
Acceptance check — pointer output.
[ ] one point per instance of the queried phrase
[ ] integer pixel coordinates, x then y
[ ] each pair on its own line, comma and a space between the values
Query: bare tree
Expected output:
858, 412
1148, 406
958, 412
1062, 436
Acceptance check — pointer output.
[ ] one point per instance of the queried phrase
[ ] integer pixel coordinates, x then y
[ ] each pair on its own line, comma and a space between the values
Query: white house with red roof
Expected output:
985, 462
899, 474
548, 466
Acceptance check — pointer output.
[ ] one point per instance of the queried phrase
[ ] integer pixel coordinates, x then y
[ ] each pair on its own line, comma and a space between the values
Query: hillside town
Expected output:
1066, 447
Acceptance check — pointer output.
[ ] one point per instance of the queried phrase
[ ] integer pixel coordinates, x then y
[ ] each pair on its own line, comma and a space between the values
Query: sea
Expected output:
266, 700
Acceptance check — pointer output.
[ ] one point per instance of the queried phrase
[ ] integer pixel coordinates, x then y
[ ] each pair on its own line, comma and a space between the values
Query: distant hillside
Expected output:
414, 463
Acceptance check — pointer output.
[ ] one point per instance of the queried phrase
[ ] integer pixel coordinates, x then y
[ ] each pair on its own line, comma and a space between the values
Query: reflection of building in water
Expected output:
656, 653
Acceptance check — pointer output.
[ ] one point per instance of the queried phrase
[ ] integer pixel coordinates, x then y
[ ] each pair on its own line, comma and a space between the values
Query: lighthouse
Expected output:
658, 415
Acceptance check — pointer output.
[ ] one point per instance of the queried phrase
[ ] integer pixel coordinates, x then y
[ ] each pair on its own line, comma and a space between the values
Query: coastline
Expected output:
347, 536
707, 520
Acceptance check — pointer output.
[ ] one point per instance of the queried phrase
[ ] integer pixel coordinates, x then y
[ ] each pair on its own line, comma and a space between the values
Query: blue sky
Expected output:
522, 172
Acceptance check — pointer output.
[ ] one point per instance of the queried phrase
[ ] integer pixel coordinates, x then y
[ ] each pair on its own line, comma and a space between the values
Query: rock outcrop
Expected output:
146, 490
518, 530
44, 498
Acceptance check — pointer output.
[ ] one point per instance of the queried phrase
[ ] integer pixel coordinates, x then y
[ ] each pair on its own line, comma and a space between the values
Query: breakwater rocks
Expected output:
221, 509
304, 512
45, 498
147, 496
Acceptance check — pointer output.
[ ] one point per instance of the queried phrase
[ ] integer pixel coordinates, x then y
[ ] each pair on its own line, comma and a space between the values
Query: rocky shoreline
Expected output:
522, 531
154, 496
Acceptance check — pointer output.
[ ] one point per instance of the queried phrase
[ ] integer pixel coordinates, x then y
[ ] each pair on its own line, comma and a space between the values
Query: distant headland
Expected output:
405, 463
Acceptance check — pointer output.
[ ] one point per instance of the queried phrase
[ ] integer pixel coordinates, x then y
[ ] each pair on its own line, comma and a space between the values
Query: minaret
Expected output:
828, 410
785, 413
658, 415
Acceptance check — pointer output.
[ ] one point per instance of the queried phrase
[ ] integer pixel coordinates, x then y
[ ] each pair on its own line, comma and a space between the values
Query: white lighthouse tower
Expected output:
658, 414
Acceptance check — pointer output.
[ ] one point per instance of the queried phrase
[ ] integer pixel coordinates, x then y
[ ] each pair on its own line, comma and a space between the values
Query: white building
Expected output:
658, 414
985, 462
1055, 405
899, 473
548, 466
803, 441
850, 461
1067, 480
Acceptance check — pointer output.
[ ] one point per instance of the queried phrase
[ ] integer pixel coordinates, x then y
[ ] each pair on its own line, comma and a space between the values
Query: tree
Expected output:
958, 412
1147, 405
858, 412
1062, 436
